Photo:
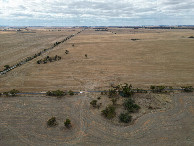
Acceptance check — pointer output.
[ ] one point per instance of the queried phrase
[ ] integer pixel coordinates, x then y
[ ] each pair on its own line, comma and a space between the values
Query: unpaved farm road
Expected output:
23, 123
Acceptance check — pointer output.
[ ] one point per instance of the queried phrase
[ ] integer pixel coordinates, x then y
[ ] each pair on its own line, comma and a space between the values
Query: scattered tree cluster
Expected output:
49, 59
53, 122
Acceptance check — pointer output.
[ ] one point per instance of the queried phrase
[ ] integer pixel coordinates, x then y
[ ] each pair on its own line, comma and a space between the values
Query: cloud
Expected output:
102, 12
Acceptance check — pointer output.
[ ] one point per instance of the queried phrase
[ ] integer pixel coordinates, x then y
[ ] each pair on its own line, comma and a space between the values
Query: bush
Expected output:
130, 105
157, 89
71, 93
188, 89
13, 92
67, 123
52, 122
125, 117
93, 103
7, 67
55, 93
109, 112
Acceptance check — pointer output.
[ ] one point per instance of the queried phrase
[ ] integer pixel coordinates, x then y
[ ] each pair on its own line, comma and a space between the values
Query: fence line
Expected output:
38, 54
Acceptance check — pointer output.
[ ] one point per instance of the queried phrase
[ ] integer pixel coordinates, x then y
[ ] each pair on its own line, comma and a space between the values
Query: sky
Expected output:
96, 12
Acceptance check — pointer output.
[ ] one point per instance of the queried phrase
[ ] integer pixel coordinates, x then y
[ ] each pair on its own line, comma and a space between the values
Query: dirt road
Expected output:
23, 122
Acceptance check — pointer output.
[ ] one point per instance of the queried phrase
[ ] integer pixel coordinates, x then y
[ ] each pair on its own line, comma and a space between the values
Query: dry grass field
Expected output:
159, 57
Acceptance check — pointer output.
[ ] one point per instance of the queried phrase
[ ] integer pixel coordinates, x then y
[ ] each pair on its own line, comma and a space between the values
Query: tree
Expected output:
86, 55
109, 112
67, 123
130, 105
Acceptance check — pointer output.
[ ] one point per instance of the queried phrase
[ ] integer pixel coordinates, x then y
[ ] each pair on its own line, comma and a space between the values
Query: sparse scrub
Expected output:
109, 112
125, 117
140, 90
114, 101
130, 106
188, 89
55, 93
112, 93
11, 92
52, 122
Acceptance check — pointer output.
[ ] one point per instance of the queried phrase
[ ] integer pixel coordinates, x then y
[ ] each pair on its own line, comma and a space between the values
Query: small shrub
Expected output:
112, 93
71, 93
99, 98
130, 105
125, 117
109, 112
188, 89
52, 122
93, 103
114, 101
67, 123
86, 55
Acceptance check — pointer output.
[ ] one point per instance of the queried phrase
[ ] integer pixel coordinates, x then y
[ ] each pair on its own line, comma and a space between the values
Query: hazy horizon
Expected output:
96, 12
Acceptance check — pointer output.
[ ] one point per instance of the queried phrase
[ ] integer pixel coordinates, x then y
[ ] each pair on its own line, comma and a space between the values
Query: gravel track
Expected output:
23, 122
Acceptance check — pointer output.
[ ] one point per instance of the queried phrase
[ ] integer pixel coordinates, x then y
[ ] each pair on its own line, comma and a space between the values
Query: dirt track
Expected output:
23, 122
